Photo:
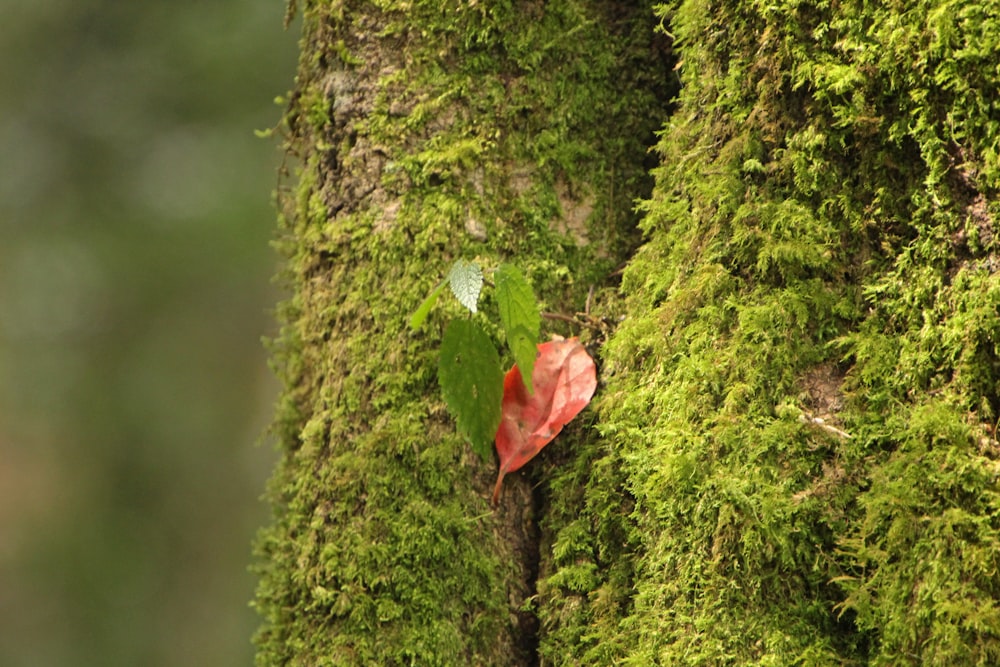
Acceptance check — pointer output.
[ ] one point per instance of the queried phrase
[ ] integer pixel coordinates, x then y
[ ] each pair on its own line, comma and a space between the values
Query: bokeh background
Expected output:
135, 286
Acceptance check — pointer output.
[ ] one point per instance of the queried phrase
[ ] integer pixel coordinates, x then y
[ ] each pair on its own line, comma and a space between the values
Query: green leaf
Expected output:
472, 382
425, 308
466, 280
520, 318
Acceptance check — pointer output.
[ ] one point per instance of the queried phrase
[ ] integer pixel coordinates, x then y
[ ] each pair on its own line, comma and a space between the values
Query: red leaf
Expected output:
564, 380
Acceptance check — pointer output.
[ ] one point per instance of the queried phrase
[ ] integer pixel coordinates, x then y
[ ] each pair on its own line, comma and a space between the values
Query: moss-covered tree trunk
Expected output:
791, 458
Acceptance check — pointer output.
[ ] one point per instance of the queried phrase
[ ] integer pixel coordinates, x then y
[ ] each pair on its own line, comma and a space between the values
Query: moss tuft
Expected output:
800, 460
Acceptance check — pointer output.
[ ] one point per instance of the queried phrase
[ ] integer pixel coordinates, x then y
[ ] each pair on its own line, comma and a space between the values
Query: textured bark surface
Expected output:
791, 458
426, 132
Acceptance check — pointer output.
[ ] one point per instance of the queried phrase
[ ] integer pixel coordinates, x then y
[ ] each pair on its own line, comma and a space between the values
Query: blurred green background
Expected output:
135, 286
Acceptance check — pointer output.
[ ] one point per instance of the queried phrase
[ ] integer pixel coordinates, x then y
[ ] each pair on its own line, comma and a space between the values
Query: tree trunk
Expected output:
791, 458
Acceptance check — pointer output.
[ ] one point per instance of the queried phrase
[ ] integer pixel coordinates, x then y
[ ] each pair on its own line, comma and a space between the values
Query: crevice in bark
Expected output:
553, 502
528, 621
516, 525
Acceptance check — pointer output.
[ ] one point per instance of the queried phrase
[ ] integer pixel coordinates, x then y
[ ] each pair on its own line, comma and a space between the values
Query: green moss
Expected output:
821, 239
820, 244
425, 131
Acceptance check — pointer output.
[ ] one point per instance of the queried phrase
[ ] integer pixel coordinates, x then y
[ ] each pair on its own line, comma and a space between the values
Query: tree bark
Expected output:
427, 132
791, 458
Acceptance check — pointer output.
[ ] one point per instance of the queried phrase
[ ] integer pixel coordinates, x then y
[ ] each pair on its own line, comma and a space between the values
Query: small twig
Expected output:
572, 320
806, 418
